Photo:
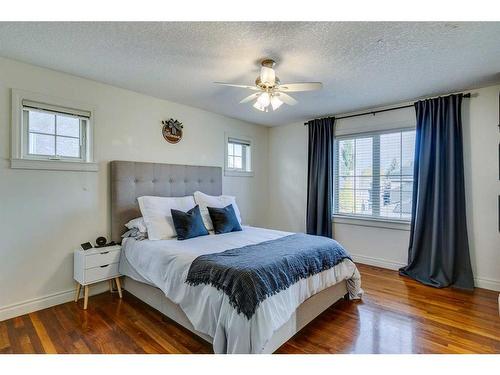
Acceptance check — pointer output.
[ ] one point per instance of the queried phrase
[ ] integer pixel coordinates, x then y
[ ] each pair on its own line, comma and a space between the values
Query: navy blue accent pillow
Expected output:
188, 224
224, 219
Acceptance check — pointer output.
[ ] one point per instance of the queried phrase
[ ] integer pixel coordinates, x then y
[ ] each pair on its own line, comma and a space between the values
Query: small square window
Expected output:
238, 157
54, 136
50, 136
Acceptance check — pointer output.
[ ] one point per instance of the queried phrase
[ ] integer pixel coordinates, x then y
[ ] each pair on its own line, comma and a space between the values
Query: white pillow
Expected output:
137, 223
158, 217
221, 201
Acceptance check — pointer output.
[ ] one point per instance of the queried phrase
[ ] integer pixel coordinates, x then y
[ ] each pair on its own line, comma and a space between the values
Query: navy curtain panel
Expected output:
320, 177
438, 253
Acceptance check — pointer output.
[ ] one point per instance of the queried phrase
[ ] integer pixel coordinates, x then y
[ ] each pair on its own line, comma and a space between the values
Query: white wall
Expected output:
46, 214
388, 247
482, 184
288, 177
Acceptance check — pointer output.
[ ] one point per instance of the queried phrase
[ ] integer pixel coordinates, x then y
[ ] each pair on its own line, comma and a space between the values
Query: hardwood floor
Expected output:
396, 315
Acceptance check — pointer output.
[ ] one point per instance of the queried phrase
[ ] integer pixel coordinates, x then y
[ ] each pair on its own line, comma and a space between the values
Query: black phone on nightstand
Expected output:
86, 246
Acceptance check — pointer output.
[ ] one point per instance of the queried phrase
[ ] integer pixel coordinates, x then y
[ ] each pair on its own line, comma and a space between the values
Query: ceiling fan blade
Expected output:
254, 88
303, 86
249, 98
287, 99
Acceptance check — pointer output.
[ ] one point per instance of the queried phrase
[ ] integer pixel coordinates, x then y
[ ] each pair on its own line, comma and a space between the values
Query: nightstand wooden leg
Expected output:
77, 293
85, 297
118, 286
111, 285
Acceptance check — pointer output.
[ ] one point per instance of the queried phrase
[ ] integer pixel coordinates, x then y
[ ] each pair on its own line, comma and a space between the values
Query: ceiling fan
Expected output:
270, 92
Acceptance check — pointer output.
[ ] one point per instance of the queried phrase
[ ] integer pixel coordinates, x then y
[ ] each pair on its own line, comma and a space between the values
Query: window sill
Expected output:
53, 165
231, 173
372, 222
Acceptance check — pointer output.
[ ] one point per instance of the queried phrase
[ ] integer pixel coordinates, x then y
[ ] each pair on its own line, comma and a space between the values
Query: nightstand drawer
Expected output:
101, 259
101, 273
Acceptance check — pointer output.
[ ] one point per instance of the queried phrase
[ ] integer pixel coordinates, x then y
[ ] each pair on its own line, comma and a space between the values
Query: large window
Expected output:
374, 175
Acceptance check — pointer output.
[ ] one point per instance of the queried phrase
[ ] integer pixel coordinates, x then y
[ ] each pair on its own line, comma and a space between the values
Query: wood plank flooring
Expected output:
396, 315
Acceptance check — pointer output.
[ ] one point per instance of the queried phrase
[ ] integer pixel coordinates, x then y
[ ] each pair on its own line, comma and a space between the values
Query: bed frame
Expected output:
130, 180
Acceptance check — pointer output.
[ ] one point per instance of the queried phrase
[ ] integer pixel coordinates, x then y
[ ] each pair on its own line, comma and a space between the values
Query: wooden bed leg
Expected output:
346, 297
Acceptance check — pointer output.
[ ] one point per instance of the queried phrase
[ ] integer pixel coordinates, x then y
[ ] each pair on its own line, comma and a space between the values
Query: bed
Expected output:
155, 271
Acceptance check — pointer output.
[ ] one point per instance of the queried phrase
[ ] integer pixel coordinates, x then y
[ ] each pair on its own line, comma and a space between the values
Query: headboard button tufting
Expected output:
130, 180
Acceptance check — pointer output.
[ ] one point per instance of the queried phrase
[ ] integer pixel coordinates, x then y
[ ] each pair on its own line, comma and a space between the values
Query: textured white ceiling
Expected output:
361, 64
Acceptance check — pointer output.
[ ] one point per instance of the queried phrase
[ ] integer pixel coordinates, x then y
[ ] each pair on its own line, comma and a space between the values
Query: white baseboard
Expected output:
485, 283
479, 282
49, 300
378, 262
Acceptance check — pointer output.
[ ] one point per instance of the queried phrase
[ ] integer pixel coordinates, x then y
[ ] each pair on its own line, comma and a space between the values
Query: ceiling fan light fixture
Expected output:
259, 106
275, 102
267, 76
264, 99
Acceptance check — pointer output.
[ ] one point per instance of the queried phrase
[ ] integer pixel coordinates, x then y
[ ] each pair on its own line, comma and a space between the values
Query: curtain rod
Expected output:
382, 110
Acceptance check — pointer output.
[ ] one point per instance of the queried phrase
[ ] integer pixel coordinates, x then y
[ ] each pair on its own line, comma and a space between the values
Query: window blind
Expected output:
56, 109
238, 141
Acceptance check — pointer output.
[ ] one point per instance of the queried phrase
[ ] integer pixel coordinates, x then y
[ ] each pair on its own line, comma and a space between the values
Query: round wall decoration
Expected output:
172, 130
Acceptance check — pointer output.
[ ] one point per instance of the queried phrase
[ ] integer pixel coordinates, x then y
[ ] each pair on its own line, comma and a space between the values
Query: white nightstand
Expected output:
95, 265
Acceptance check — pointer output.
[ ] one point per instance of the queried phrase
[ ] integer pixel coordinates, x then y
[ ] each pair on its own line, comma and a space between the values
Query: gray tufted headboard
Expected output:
130, 180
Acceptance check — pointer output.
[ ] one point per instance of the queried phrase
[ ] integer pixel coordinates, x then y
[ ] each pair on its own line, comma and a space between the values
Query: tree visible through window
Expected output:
374, 175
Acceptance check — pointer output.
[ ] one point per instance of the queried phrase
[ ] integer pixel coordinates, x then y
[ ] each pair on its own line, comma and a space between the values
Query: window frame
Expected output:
236, 172
367, 220
22, 101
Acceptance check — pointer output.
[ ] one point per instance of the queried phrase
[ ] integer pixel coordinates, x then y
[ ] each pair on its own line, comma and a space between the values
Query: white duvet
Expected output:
165, 264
